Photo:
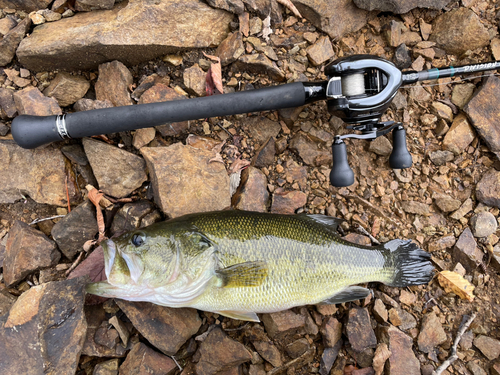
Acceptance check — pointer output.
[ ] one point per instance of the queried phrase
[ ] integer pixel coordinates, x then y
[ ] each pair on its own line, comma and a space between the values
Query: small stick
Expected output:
75, 263
454, 355
177, 363
67, 194
366, 233
36, 221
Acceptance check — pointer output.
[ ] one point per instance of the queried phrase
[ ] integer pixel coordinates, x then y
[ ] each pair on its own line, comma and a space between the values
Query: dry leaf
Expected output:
290, 6
214, 76
453, 282
95, 197
382, 354
244, 19
266, 28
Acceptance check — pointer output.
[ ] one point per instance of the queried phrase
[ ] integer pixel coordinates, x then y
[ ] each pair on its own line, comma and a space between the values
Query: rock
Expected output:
287, 202
71, 44
466, 251
109, 367
40, 173
230, 49
464, 209
7, 24
431, 333
339, 18
233, 6
359, 330
89, 5
117, 171
261, 128
488, 346
113, 83
67, 88
36, 18
194, 80
402, 58
259, 64
218, 353
441, 157
495, 369
358, 239
447, 203
106, 336
488, 188
135, 215
413, 207
461, 94
45, 328
381, 146
320, 51
328, 358
394, 317
400, 6
142, 137
402, 359
379, 311
11, 40
475, 369
185, 181
419, 94
459, 30
30, 101
147, 82
6, 301
482, 108
459, 136
252, 194
144, 360
7, 103
297, 173
156, 322
269, 352
89, 104
51, 16
483, 224
297, 348
282, 324
309, 148
331, 330
442, 244
264, 156
442, 111
27, 250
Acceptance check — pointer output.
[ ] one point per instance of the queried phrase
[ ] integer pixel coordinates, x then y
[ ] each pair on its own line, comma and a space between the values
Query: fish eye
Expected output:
138, 239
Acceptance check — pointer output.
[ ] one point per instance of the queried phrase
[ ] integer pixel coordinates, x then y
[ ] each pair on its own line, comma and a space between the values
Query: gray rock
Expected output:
67, 89
144, 360
490, 347
311, 149
483, 224
4, 129
89, 5
6, 301
261, 128
11, 40
441, 157
402, 359
414, 207
233, 6
117, 171
26, 5
488, 188
359, 330
402, 57
328, 358
88, 39
476, 369
89, 104
431, 333
399, 6
466, 251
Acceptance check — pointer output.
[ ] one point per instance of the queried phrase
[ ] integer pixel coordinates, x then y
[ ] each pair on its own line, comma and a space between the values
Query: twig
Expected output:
36, 221
454, 355
67, 193
177, 363
365, 232
75, 263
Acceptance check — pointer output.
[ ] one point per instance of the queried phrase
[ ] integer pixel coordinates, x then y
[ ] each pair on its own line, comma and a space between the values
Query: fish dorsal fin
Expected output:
240, 315
349, 294
243, 274
331, 222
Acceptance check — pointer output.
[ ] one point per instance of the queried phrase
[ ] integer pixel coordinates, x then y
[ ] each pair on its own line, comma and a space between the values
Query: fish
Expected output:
241, 263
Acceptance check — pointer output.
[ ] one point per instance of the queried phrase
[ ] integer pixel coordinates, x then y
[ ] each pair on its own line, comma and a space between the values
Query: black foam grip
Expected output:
341, 174
400, 157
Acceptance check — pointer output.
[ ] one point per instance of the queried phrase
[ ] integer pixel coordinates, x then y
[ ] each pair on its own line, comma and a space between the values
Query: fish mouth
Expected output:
109, 250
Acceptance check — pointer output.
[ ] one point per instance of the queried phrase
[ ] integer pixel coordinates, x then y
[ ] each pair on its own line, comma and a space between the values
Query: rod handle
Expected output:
34, 131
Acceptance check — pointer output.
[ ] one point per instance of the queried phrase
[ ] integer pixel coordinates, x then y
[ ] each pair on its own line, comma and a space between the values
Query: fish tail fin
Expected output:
412, 265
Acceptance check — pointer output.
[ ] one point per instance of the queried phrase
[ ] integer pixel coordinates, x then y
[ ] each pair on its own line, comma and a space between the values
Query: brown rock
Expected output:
297, 173
442, 243
464, 209
11, 40
447, 203
488, 188
287, 202
442, 111
7, 103
461, 94
459, 30
264, 156
381, 146
331, 330
252, 194
233, 6
407, 298
283, 323
460, 135
27, 250
394, 317
309, 148
30, 101
261, 128
147, 83
320, 51
230, 49
113, 83
185, 181
89, 5
109, 367
144, 360
431, 334
483, 224
7, 24
199, 141
402, 359
77, 42
399, 7
298, 347
269, 352
45, 328
328, 358
67, 88
441, 157
156, 322
466, 251
359, 330
89, 104
194, 80
6, 301
106, 336
143, 136
259, 64
218, 353
135, 215
358, 239
290, 115
495, 369
488, 346
117, 171
414, 207
379, 311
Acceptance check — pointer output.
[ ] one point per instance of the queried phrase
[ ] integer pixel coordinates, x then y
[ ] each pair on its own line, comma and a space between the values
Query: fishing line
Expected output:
463, 79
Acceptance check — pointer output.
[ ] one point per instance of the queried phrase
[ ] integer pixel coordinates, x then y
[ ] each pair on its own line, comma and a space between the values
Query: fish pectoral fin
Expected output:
349, 294
240, 315
243, 274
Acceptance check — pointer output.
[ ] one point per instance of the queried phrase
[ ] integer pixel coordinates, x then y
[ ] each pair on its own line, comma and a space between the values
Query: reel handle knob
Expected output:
341, 174
400, 157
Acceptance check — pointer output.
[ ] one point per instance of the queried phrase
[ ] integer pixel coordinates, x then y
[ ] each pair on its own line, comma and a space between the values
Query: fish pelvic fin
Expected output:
330, 222
240, 315
412, 265
349, 294
245, 274
103, 289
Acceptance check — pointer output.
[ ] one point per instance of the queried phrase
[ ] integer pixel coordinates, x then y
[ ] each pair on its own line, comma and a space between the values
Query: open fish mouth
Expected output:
109, 250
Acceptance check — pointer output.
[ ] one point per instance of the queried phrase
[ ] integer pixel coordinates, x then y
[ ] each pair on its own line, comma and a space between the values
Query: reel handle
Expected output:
400, 157
341, 174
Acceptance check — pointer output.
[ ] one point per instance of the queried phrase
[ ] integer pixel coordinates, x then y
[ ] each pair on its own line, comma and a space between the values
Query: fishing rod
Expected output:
359, 89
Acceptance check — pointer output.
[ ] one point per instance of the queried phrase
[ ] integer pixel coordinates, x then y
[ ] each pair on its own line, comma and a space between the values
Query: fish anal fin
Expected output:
240, 315
245, 274
349, 294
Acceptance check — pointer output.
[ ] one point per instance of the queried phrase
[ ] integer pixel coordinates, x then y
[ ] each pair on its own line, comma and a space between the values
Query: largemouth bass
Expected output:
239, 263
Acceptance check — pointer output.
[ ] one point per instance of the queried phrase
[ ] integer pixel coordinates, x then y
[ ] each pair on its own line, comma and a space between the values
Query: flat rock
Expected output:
156, 323
233, 6
89, 104
488, 188
476, 369
442, 111
252, 194
40, 173
297, 348
74, 229
459, 136
143, 136
44, 329
466, 251
7, 104
461, 94
338, 18
310, 149
459, 30
220, 353
113, 83
482, 108
441, 157
359, 330
89, 5
259, 64
431, 333
287, 202
135, 215
381, 146
399, 6
230, 49
464, 209
283, 323
495, 369
380, 311
30, 101
147, 82
331, 330
321, 51
7, 24
10, 41
194, 80
269, 352
144, 360
447, 203
27, 250
414, 207
490, 347
117, 171
483, 224
88, 39
261, 128
442, 243
402, 359
264, 156
109, 367
185, 181
67, 88
328, 358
